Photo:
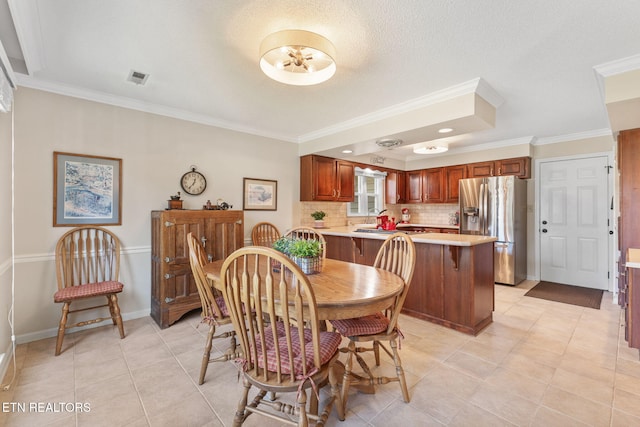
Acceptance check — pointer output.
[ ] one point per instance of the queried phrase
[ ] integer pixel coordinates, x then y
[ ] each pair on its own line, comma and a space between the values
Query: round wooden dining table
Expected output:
343, 290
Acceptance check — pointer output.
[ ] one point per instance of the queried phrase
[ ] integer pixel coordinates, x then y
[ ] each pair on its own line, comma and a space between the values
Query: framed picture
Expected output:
260, 195
87, 190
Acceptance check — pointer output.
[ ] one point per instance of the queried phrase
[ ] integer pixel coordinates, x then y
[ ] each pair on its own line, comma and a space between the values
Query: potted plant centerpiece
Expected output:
281, 245
307, 253
318, 217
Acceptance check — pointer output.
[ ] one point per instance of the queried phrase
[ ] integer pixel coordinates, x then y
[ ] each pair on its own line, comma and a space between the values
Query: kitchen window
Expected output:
369, 193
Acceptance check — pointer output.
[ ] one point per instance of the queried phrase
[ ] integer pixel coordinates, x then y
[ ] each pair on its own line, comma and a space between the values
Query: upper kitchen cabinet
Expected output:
519, 166
425, 186
453, 175
326, 179
395, 187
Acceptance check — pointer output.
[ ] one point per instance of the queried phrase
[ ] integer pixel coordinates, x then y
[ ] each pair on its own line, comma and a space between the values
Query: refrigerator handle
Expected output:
481, 214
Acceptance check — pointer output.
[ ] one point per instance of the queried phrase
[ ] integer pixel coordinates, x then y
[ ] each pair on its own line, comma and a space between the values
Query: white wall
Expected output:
5, 239
155, 152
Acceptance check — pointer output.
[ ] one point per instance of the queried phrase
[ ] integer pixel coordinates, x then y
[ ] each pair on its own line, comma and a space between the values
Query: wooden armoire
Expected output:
173, 289
629, 231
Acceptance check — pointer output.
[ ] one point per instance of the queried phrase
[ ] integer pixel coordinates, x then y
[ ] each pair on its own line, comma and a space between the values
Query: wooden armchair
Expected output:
87, 266
214, 309
396, 255
285, 352
264, 234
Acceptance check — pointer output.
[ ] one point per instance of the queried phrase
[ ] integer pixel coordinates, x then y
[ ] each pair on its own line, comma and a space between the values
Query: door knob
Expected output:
544, 230
544, 222
610, 231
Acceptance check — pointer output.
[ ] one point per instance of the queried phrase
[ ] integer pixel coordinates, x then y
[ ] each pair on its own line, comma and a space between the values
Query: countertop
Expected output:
633, 258
432, 238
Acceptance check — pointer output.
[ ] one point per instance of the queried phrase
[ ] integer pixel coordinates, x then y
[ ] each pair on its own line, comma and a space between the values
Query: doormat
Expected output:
568, 294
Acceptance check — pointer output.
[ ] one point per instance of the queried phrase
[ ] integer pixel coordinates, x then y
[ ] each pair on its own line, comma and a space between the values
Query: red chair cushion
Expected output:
329, 344
222, 305
367, 325
87, 290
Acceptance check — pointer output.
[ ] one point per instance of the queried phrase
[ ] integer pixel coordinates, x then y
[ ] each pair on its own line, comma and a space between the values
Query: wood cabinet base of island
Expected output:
452, 285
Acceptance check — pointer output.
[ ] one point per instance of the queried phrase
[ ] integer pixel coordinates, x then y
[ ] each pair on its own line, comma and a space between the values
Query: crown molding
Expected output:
146, 107
574, 136
477, 85
613, 68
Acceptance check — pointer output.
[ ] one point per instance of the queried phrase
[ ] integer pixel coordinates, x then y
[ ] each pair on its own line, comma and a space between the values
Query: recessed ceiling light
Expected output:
431, 148
347, 151
445, 130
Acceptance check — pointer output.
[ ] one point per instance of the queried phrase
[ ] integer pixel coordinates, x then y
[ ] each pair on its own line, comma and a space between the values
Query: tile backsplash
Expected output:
429, 214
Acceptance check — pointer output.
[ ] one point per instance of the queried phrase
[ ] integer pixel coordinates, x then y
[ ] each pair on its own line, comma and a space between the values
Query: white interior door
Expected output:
574, 230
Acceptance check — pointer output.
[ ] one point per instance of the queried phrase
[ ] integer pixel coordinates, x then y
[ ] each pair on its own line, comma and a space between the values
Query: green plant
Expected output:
283, 244
303, 248
318, 215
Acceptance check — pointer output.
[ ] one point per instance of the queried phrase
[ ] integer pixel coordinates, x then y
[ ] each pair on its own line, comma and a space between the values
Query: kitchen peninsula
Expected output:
453, 282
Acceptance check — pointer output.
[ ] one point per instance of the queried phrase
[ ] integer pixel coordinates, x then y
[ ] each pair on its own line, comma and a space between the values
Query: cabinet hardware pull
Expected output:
168, 224
168, 276
333, 193
491, 172
210, 257
499, 171
168, 259
239, 221
169, 300
204, 241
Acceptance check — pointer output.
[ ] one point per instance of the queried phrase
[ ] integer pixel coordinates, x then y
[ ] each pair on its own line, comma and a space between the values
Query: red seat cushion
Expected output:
222, 305
329, 344
367, 325
87, 290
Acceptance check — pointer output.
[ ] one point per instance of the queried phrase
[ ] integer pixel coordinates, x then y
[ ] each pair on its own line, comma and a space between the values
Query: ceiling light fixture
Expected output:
297, 57
445, 130
431, 148
347, 151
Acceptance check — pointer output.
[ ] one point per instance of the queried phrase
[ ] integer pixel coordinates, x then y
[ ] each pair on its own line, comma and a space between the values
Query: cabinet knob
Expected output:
168, 224
167, 259
204, 241
168, 276
169, 300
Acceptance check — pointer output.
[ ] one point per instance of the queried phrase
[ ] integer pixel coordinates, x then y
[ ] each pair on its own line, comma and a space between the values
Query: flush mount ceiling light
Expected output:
431, 148
297, 57
388, 143
445, 130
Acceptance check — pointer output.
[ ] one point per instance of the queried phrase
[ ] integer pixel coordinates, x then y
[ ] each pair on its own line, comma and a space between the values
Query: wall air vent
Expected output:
388, 143
138, 77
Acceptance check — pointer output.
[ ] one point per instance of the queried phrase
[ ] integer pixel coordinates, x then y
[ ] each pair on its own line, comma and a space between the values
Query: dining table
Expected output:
343, 290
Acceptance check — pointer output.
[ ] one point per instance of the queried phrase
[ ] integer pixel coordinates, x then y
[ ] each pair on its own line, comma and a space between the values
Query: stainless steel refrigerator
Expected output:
497, 206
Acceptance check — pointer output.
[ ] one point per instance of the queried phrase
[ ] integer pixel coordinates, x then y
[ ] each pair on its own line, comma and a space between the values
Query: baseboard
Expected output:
48, 333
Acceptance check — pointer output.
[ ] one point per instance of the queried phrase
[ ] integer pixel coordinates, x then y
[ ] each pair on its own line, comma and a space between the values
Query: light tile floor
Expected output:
540, 363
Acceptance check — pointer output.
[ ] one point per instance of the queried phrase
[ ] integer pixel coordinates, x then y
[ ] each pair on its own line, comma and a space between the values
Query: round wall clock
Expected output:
193, 182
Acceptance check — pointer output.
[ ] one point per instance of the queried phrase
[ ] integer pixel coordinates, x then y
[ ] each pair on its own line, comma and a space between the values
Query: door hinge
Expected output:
608, 275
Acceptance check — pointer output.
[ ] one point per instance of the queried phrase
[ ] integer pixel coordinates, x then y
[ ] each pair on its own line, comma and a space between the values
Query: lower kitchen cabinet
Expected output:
452, 285
173, 289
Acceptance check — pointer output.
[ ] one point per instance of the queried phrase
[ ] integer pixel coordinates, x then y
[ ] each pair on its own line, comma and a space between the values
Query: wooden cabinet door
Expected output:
395, 188
344, 181
433, 180
480, 170
224, 234
453, 175
324, 175
340, 248
413, 189
520, 167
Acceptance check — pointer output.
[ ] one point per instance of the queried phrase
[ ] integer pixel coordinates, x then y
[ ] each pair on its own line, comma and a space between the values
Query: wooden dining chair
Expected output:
285, 352
264, 234
397, 255
87, 265
307, 233
214, 309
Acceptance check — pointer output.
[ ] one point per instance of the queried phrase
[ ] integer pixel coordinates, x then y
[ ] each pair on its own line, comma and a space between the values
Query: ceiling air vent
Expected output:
388, 143
138, 77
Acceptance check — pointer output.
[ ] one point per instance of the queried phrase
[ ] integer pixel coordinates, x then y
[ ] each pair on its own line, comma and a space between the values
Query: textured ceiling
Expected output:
201, 55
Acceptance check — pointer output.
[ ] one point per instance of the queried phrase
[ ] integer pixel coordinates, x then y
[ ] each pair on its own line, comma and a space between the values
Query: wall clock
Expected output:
193, 182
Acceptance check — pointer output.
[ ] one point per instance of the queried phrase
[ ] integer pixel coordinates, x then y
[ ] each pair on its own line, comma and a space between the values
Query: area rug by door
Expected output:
575, 295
